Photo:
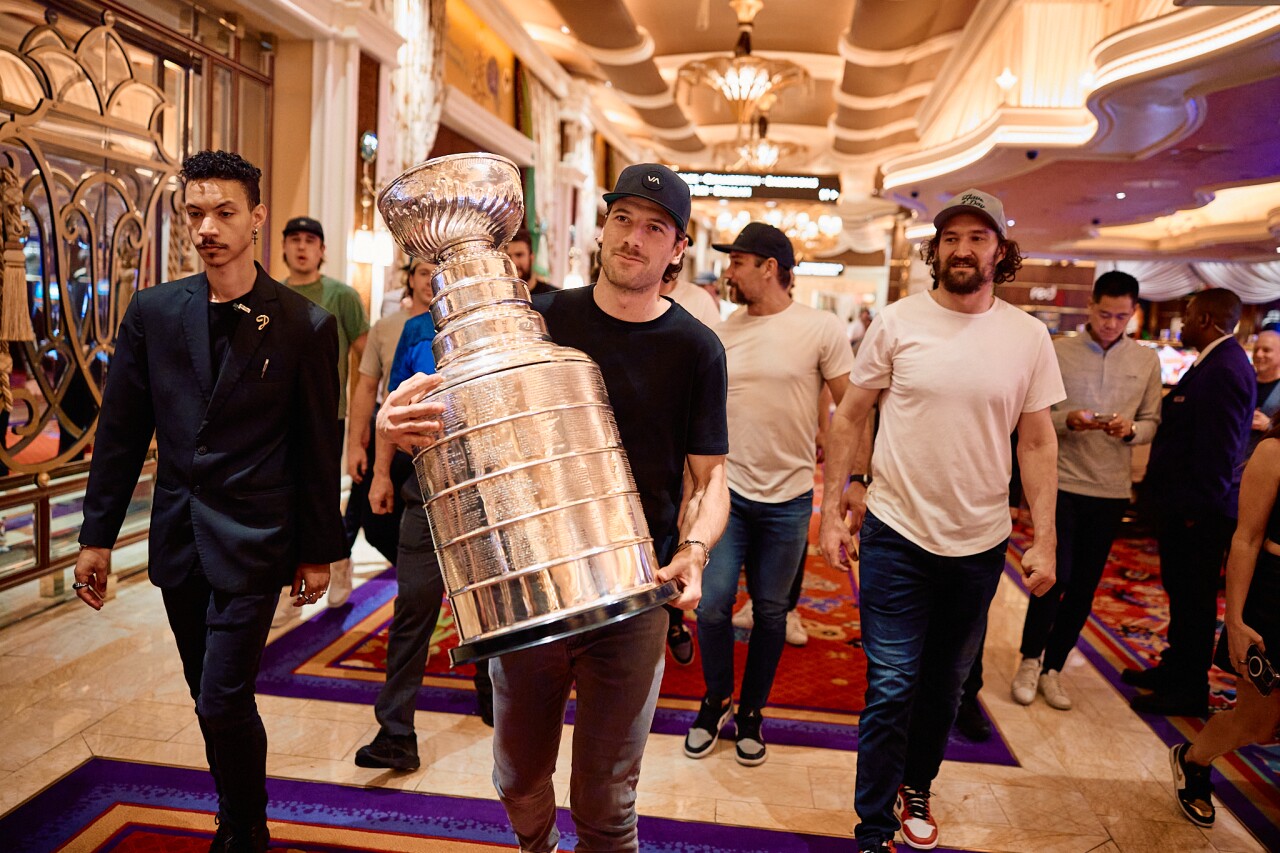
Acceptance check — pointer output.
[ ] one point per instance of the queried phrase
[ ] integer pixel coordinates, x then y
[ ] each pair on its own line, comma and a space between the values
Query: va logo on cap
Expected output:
973, 200
653, 181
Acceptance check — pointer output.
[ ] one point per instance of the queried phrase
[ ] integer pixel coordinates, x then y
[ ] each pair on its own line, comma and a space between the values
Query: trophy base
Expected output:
566, 626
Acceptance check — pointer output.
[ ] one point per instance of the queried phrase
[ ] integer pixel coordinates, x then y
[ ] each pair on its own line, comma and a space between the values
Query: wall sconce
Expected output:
370, 246
573, 278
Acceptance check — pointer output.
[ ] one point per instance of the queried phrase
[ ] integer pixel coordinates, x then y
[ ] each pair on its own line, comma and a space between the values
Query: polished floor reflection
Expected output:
75, 684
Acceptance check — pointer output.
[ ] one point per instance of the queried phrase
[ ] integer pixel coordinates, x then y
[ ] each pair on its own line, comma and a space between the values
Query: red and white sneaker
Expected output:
919, 829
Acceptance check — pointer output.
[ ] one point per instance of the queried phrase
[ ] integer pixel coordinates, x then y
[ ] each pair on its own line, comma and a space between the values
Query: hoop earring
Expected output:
255, 236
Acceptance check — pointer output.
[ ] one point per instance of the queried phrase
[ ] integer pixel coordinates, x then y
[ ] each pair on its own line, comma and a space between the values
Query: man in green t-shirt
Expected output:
303, 255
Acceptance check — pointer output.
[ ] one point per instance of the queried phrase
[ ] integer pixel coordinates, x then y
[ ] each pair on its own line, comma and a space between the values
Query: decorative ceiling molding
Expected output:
889, 129
914, 92
821, 66
683, 132
869, 58
646, 102
464, 115
1009, 126
634, 55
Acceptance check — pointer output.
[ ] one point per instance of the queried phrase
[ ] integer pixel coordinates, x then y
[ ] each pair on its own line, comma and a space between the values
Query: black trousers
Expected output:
1191, 555
220, 639
381, 531
1086, 528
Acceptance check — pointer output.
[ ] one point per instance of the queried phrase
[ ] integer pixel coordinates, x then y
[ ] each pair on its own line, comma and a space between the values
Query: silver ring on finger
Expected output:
81, 585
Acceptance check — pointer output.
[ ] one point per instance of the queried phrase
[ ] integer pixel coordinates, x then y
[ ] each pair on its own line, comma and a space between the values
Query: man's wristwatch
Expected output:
1133, 431
864, 479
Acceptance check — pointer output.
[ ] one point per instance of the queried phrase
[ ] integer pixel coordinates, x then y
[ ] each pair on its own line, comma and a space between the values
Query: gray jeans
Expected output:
418, 600
617, 670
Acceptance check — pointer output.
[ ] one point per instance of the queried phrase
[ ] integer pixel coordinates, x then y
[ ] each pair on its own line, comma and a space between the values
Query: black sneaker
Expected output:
713, 715
971, 722
1192, 786
750, 750
680, 641
394, 752
254, 839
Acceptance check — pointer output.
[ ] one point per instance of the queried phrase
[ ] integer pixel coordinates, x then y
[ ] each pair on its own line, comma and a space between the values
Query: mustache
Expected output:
209, 245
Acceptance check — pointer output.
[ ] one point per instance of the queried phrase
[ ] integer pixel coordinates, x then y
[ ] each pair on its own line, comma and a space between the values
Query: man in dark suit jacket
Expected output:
1194, 478
236, 376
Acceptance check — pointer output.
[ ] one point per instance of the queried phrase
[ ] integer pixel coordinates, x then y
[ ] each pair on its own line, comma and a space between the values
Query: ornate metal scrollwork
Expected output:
88, 178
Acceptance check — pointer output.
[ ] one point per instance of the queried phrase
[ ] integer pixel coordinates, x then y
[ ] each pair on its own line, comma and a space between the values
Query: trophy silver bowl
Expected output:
537, 522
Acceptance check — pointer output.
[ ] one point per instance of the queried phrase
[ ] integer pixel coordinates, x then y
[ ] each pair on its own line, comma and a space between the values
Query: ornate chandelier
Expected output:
756, 153
742, 79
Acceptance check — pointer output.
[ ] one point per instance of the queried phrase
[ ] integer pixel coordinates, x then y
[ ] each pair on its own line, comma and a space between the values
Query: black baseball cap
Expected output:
761, 238
655, 183
305, 225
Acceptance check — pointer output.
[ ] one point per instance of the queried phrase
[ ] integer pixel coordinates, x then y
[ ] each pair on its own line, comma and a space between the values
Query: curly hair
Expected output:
223, 166
1006, 269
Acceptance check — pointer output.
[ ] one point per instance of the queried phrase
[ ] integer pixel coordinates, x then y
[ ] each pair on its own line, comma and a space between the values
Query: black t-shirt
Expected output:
1265, 389
667, 382
223, 318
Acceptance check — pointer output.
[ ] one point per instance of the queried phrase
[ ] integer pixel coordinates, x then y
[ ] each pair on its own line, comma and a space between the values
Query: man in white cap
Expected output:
955, 371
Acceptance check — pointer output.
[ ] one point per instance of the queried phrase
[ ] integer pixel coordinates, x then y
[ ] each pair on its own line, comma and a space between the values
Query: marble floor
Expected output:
76, 684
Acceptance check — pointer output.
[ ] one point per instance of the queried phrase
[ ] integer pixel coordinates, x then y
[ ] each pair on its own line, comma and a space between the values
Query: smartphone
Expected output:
1261, 672
1104, 417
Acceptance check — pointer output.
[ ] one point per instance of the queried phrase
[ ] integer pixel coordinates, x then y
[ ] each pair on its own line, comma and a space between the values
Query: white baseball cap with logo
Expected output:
979, 204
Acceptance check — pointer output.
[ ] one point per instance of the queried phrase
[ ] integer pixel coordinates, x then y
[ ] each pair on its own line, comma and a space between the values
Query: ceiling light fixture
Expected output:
756, 153
742, 79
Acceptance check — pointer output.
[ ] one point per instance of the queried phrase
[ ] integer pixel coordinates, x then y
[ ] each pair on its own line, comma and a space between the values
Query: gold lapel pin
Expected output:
263, 320
240, 306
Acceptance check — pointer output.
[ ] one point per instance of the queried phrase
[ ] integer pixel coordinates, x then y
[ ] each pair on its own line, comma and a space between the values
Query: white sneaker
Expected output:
285, 611
1054, 694
339, 582
797, 635
1025, 680
744, 618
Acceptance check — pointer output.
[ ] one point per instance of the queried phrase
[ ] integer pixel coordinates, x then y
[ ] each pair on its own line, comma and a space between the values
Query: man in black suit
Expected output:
1194, 480
236, 376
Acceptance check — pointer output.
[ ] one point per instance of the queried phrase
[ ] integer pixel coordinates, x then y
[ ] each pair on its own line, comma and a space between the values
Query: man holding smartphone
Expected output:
1113, 403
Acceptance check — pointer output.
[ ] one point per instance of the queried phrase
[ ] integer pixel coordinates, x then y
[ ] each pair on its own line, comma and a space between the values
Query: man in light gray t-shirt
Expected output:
954, 371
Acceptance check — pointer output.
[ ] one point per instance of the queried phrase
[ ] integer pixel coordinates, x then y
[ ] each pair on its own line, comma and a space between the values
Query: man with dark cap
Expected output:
665, 374
304, 255
1193, 479
953, 371
780, 355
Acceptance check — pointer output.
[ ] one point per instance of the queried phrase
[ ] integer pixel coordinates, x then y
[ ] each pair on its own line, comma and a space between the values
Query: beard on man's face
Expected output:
964, 276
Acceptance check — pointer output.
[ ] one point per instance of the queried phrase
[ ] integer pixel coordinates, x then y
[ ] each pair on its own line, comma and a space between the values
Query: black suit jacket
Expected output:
247, 469
1200, 448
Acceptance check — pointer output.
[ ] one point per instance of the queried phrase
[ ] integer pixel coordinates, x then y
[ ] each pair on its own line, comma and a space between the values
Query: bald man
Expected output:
1194, 480
1266, 361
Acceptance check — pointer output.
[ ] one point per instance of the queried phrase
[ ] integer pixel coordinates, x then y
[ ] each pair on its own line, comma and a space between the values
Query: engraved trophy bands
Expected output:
535, 513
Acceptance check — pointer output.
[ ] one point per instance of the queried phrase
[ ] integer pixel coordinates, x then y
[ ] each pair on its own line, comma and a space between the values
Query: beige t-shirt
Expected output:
957, 384
380, 349
777, 365
697, 302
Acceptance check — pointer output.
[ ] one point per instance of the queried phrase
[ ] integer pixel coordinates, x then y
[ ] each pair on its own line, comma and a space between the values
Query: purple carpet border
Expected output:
284, 655
57, 814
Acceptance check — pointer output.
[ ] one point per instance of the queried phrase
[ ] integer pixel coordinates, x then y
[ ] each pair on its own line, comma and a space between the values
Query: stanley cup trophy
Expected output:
537, 521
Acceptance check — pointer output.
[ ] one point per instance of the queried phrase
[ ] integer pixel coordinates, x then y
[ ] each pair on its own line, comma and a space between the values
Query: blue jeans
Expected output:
617, 670
923, 617
767, 540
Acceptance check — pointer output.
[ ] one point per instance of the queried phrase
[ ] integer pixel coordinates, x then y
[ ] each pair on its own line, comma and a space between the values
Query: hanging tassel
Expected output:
15, 313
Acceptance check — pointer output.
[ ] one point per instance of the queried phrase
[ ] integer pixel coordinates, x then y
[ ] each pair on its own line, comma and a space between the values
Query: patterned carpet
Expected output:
125, 807
1128, 626
340, 655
